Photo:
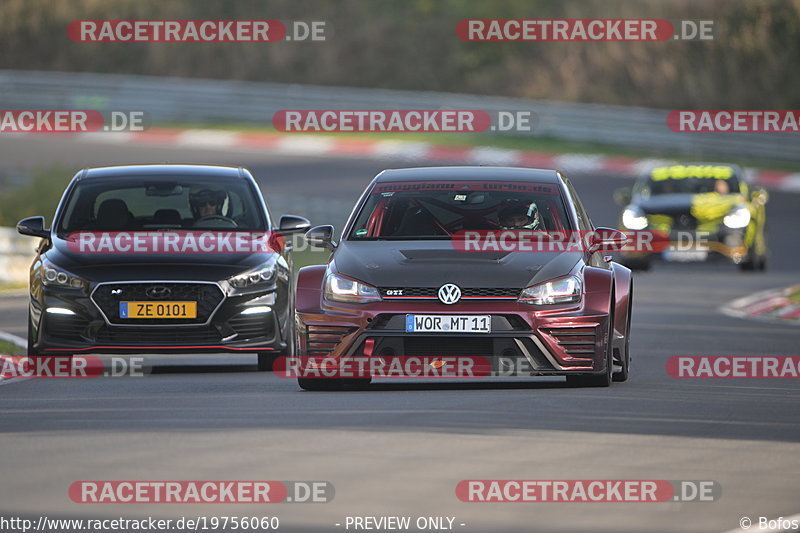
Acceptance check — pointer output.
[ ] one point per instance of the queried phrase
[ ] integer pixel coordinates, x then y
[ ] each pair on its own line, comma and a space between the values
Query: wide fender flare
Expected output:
309, 288
623, 296
599, 284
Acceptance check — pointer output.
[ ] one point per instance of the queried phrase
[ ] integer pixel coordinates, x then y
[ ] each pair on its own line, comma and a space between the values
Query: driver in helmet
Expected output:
206, 203
520, 216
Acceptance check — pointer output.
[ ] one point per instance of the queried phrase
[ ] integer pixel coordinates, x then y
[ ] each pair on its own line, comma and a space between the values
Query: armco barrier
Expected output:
202, 100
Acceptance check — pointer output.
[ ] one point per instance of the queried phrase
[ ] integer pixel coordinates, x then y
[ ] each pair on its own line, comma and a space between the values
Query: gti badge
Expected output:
449, 293
159, 292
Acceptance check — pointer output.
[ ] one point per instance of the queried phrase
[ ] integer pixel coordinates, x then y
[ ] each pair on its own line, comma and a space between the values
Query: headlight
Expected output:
55, 277
341, 289
738, 217
261, 275
557, 291
633, 218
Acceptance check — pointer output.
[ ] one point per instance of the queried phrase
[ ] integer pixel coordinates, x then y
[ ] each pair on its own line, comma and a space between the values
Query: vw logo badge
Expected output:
449, 293
158, 292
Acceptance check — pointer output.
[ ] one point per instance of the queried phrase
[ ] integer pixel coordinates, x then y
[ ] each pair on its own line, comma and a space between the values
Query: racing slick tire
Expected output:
31, 349
330, 384
266, 360
625, 357
753, 262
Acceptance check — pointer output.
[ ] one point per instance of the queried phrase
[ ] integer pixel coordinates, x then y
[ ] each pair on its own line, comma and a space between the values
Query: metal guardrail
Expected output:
201, 100
16, 255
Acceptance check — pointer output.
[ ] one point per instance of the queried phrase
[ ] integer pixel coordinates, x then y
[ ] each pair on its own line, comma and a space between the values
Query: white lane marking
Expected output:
19, 341
754, 525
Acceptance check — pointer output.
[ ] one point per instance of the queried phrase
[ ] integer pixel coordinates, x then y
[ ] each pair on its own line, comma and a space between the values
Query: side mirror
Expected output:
606, 239
34, 227
321, 236
759, 196
293, 224
623, 195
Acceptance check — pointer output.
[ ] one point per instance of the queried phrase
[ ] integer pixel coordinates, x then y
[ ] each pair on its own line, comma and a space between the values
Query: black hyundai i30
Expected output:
162, 259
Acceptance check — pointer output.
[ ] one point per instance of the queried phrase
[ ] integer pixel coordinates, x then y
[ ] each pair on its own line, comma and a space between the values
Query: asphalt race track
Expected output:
399, 449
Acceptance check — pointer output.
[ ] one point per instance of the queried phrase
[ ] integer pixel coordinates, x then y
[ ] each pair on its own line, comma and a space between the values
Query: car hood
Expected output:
434, 263
199, 266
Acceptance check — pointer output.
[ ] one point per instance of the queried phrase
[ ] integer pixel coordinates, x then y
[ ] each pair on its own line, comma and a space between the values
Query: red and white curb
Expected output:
779, 306
320, 145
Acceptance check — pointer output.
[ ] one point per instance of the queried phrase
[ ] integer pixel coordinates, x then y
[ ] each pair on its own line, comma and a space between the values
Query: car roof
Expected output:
162, 171
468, 173
736, 168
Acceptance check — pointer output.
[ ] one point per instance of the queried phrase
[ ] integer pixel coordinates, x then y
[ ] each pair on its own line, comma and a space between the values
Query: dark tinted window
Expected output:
689, 179
439, 210
144, 203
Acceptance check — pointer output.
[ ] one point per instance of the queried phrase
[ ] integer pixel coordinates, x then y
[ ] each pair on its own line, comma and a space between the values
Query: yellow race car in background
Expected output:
697, 211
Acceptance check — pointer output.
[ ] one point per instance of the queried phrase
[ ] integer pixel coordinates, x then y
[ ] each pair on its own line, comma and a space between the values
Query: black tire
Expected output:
31, 341
753, 262
330, 384
266, 360
625, 358
318, 384
748, 264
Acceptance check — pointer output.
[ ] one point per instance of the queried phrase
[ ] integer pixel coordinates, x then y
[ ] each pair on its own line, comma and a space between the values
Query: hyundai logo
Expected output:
159, 292
449, 293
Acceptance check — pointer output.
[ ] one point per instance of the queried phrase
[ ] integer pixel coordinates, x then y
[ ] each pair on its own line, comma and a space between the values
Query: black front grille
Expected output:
157, 336
447, 346
684, 222
433, 292
65, 328
252, 326
207, 295
490, 293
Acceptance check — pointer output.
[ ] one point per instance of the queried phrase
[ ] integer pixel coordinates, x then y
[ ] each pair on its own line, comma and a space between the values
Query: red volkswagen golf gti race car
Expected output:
441, 263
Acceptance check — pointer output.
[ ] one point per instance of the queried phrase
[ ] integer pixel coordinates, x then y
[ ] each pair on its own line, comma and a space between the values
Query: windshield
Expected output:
439, 210
691, 179
161, 203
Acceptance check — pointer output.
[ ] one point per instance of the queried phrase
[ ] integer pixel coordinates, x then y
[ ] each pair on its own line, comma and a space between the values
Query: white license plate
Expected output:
685, 256
448, 323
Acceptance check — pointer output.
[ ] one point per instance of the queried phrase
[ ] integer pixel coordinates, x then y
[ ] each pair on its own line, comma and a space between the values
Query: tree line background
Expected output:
412, 44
